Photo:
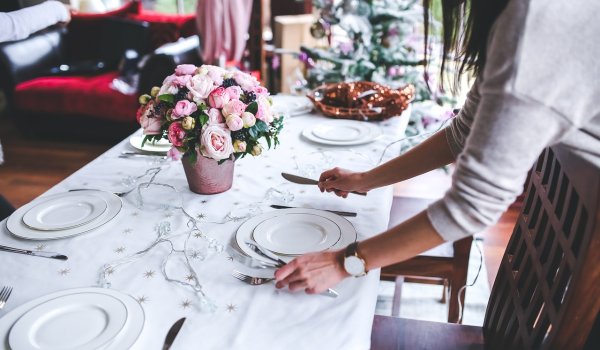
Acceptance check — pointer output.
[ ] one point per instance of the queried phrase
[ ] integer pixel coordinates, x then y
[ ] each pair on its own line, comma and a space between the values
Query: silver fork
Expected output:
251, 280
4, 295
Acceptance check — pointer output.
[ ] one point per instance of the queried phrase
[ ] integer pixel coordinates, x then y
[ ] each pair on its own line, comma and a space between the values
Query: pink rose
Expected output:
215, 116
218, 98
174, 154
246, 81
234, 107
215, 142
149, 121
234, 92
214, 72
261, 91
200, 87
249, 119
185, 69
183, 108
176, 134
234, 122
168, 86
181, 81
264, 112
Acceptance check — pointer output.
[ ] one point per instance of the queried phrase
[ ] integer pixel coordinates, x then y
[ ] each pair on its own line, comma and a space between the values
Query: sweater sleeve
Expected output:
20, 24
460, 126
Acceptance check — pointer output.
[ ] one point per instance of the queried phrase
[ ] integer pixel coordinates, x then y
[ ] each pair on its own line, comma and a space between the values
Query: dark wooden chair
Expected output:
547, 291
447, 264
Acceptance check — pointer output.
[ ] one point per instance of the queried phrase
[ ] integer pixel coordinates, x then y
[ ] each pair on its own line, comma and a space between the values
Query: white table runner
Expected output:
247, 317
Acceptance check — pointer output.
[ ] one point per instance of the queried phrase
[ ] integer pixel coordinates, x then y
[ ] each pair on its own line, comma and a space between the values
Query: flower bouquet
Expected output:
212, 117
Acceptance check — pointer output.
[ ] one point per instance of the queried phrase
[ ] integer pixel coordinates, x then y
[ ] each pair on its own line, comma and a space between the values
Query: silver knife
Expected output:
306, 181
128, 154
338, 212
267, 254
172, 334
50, 255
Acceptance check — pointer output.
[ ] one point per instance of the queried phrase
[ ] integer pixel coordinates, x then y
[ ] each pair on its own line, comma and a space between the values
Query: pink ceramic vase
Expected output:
206, 176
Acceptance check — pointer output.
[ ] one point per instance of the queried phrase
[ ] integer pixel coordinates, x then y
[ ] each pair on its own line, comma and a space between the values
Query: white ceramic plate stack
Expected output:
292, 232
160, 146
64, 214
342, 132
82, 318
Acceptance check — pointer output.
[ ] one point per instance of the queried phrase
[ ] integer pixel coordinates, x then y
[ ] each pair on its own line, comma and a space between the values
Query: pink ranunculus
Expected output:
215, 116
261, 91
218, 98
264, 112
151, 125
200, 87
249, 119
234, 122
215, 141
168, 86
183, 108
185, 69
234, 92
176, 134
234, 107
246, 81
182, 80
174, 154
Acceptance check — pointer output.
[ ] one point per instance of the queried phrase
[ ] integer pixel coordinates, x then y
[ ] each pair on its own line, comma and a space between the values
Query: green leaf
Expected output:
252, 107
222, 161
203, 119
253, 132
261, 126
167, 98
268, 138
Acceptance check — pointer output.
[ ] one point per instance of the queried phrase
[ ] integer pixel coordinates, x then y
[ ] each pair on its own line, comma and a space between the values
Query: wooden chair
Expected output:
447, 264
547, 291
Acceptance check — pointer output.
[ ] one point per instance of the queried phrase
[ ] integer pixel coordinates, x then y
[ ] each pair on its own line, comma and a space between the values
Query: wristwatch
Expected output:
354, 264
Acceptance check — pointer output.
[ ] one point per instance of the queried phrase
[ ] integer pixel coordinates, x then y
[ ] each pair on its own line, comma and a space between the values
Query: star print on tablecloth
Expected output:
195, 254
119, 250
149, 274
200, 216
231, 308
127, 231
40, 247
190, 278
198, 234
186, 303
64, 272
236, 203
135, 213
204, 201
110, 271
142, 299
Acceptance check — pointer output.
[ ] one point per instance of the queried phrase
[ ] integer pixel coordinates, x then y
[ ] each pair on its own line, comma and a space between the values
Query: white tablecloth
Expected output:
247, 317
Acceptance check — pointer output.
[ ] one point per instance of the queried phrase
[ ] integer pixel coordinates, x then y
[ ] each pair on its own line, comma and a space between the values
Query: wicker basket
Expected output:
361, 100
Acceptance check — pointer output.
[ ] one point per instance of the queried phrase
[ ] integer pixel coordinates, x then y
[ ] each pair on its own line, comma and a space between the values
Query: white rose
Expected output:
200, 87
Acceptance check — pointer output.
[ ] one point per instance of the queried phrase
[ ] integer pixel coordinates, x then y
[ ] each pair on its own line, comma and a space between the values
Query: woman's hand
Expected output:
342, 181
314, 273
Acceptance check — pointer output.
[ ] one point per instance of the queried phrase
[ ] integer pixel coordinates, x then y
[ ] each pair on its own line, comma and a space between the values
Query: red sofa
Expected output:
67, 104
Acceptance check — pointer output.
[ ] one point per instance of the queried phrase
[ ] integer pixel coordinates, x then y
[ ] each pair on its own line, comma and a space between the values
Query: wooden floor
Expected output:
32, 166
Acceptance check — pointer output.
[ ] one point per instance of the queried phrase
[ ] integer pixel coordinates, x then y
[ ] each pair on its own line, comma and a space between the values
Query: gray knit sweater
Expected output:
540, 87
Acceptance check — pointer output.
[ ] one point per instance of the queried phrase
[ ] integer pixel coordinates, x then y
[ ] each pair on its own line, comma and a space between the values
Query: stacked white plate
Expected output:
292, 232
64, 214
82, 318
342, 132
291, 105
160, 146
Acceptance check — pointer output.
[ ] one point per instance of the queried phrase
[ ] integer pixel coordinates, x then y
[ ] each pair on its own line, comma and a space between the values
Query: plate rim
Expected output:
322, 125
66, 227
37, 235
343, 224
339, 235
374, 134
99, 344
118, 343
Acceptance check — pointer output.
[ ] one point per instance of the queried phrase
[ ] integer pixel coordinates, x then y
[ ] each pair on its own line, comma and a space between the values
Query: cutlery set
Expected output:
50, 255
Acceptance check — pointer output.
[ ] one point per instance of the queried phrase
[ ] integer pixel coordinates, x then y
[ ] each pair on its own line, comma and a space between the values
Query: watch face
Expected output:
354, 266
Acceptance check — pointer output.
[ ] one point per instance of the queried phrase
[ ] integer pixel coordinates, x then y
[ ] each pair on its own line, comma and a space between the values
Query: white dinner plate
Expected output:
123, 340
244, 233
71, 210
160, 146
17, 227
342, 132
297, 234
69, 322
291, 105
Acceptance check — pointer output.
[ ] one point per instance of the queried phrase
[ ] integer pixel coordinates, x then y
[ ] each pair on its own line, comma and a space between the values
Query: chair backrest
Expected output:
547, 291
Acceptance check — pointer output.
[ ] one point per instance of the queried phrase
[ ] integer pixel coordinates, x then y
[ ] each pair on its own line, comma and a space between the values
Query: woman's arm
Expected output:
20, 24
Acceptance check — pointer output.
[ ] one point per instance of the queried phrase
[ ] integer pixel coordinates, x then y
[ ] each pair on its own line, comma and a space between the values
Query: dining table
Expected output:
174, 251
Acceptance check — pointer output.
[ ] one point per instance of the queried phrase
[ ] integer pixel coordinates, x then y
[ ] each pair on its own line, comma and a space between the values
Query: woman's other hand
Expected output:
341, 182
314, 273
